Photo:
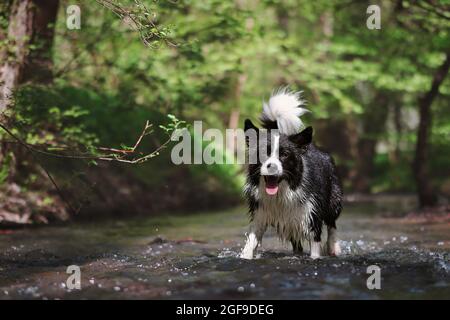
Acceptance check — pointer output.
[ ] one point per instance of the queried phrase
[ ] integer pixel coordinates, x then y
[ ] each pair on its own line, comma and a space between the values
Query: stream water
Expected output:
189, 257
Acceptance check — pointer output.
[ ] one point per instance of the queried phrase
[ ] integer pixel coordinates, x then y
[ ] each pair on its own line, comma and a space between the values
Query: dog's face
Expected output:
274, 156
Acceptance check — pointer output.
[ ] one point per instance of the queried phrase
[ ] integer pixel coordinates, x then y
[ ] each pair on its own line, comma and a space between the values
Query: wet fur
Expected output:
309, 194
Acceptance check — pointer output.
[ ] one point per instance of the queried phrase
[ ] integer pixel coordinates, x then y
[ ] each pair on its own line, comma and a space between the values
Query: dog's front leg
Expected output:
250, 246
254, 239
334, 249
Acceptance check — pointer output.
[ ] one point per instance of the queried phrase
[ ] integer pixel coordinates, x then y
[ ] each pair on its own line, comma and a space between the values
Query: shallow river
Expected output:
188, 257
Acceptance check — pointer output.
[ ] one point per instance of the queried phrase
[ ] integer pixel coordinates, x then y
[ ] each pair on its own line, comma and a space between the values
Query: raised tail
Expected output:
283, 111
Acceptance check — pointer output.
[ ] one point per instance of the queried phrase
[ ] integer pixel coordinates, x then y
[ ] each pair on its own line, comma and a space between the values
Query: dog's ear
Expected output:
302, 138
250, 131
248, 124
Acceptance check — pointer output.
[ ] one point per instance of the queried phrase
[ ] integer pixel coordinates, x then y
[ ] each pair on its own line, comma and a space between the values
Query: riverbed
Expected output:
196, 257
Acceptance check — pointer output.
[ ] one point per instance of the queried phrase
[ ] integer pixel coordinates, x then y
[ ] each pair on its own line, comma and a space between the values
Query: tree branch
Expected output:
105, 154
141, 20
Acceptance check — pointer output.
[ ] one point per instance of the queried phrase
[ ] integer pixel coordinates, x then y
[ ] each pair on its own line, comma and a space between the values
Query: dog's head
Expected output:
275, 156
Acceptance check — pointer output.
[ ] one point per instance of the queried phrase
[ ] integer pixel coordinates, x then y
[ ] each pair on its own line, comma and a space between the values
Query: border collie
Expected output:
294, 187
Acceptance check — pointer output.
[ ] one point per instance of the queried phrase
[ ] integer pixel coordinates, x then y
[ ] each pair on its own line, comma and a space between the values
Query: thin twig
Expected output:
117, 155
112, 155
143, 24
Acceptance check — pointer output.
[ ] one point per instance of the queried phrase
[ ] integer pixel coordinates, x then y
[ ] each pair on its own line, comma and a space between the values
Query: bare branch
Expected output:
128, 155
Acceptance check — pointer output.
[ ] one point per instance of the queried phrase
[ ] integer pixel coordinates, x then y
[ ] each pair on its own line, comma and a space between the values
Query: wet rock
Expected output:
157, 240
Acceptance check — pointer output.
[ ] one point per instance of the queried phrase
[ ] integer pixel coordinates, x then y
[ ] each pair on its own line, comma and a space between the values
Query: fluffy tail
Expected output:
283, 111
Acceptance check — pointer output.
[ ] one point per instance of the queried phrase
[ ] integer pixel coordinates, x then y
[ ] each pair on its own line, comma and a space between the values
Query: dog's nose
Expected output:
272, 168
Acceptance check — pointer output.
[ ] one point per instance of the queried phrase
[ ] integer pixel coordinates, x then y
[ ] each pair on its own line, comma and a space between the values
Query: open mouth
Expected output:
271, 184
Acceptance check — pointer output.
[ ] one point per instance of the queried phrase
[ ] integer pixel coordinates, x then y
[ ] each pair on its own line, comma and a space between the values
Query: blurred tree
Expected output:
373, 125
217, 60
28, 46
432, 17
427, 194
26, 56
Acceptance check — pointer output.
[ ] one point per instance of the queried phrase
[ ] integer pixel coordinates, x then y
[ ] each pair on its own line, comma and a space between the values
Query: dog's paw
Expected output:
316, 250
246, 255
334, 249
315, 256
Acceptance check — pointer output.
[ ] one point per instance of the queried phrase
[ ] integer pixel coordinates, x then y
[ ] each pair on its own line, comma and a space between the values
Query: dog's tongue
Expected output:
271, 190
271, 185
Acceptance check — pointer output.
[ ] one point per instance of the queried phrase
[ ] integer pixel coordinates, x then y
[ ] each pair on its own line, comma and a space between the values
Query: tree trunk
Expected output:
39, 66
425, 190
373, 124
233, 121
397, 112
31, 24
5, 12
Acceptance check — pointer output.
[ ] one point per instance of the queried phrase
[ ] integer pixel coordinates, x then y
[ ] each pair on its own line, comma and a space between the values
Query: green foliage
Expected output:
4, 168
4, 9
202, 60
50, 116
229, 178
391, 176
142, 18
173, 125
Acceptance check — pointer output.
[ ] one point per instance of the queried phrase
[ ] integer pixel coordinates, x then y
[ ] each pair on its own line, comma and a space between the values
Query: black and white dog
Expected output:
294, 187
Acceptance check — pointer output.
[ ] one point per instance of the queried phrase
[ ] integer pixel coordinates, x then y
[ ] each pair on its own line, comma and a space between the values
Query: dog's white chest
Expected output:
287, 212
